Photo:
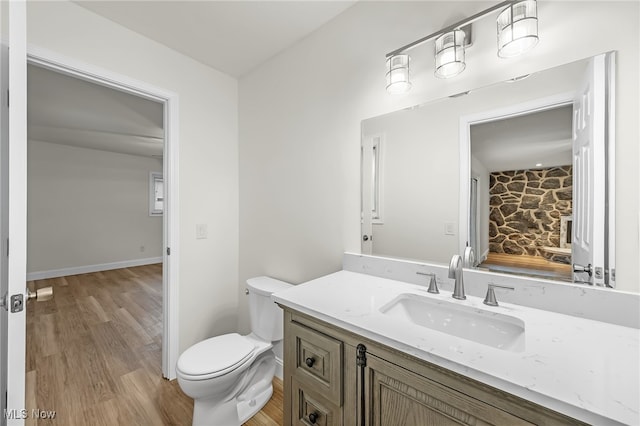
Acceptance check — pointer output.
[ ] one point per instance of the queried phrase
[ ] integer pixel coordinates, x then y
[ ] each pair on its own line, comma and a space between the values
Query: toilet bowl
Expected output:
230, 376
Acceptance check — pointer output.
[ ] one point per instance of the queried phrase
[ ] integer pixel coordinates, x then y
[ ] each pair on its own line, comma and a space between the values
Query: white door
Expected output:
13, 176
589, 161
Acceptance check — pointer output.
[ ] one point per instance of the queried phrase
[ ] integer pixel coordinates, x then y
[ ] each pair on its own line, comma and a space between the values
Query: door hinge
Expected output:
168, 251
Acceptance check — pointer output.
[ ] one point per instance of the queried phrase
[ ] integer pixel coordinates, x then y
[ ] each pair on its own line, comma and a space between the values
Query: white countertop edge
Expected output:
520, 391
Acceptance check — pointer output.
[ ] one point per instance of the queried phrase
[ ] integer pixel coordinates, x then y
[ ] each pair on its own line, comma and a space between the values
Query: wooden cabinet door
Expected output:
397, 396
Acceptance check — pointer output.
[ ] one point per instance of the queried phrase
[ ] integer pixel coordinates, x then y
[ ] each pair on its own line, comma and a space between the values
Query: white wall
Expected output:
88, 207
300, 116
208, 129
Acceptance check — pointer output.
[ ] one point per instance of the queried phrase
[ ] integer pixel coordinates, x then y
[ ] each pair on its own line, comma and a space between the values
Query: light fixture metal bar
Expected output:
452, 27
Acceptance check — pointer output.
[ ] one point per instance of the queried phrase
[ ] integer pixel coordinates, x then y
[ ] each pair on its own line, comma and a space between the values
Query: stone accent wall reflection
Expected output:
525, 209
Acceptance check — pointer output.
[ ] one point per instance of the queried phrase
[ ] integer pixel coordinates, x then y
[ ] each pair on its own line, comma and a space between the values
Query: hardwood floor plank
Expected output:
115, 352
91, 310
94, 354
138, 388
131, 331
30, 396
174, 411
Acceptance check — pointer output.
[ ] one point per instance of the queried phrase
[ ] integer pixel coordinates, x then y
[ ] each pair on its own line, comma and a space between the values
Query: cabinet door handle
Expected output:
313, 417
309, 361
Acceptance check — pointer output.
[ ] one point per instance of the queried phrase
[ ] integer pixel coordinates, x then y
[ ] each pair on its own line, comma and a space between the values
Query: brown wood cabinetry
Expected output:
397, 396
335, 377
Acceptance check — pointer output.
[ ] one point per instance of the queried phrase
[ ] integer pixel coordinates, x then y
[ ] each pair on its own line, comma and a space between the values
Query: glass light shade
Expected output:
450, 54
517, 28
398, 74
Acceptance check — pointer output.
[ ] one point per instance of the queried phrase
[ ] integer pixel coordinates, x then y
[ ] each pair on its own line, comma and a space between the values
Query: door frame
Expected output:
170, 277
467, 121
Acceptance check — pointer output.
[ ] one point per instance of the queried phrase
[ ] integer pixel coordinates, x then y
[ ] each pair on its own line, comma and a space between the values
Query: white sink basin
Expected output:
478, 325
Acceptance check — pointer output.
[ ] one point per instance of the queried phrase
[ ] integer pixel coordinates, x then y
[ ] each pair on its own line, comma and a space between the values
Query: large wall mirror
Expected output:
518, 170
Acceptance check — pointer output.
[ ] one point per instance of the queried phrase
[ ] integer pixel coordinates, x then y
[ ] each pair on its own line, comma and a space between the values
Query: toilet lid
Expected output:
217, 354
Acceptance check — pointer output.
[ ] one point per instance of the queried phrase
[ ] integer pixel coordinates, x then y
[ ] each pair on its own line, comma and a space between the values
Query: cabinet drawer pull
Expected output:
313, 417
309, 361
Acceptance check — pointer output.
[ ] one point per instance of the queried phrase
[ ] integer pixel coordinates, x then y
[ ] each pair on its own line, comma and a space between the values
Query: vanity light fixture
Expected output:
398, 74
517, 33
450, 54
517, 28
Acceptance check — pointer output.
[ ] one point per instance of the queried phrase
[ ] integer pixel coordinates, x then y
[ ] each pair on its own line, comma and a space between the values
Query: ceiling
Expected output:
231, 36
69, 111
235, 37
519, 143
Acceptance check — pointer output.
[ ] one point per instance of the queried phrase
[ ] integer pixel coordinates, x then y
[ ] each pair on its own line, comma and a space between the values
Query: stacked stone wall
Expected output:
526, 207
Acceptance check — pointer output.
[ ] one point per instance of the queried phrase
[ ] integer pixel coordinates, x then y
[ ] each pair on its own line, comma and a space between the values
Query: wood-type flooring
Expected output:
94, 354
527, 265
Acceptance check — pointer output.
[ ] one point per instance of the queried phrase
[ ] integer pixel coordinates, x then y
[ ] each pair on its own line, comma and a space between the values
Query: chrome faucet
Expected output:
455, 272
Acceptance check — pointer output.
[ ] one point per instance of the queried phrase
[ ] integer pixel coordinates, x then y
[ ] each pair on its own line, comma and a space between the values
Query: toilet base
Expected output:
247, 409
230, 413
221, 414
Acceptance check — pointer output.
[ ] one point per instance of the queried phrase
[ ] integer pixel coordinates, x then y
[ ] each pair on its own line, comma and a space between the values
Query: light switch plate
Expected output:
201, 231
449, 228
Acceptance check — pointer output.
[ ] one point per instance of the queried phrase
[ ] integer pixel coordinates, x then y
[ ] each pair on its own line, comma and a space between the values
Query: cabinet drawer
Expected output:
310, 409
317, 362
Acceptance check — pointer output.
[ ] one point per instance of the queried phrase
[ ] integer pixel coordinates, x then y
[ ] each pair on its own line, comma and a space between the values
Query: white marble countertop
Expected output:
586, 369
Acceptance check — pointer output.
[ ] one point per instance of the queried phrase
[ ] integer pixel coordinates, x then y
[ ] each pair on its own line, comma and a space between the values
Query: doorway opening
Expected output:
520, 165
136, 91
527, 196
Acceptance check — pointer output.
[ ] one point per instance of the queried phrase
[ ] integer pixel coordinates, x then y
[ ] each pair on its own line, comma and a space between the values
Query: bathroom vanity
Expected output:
364, 349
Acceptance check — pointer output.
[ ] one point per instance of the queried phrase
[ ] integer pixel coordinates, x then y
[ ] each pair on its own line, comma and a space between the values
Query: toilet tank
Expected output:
266, 316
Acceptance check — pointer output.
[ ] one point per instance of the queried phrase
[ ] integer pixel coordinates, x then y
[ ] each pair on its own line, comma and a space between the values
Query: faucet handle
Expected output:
456, 262
490, 298
469, 258
433, 283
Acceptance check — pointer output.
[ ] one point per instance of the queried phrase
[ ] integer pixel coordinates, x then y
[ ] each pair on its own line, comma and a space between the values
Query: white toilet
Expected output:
229, 376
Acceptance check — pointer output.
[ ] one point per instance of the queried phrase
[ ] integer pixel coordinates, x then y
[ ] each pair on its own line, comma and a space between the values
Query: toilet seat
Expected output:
215, 357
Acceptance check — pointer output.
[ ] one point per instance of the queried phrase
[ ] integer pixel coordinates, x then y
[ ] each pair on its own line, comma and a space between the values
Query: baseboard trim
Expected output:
55, 273
279, 369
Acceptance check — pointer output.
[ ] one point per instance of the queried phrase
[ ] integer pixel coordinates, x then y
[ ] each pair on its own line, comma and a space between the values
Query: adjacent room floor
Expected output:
94, 354
534, 266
